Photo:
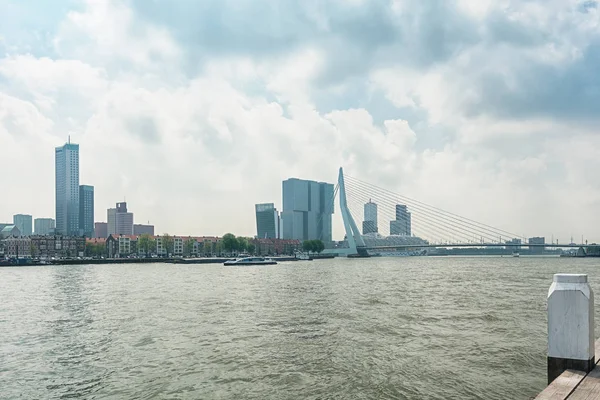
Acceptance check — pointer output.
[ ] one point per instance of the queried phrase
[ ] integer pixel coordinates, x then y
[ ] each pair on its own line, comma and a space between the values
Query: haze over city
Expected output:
195, 111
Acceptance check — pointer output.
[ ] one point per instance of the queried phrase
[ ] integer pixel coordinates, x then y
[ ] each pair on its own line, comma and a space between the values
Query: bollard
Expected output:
570, 325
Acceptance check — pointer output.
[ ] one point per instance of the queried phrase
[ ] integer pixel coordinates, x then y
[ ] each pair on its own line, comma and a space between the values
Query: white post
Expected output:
570, 325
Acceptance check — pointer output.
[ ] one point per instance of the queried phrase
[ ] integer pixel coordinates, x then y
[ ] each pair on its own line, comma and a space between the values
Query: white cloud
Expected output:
193, 143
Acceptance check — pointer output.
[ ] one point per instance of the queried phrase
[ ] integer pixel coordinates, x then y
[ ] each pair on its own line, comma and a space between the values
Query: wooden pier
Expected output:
573, 355
575, 385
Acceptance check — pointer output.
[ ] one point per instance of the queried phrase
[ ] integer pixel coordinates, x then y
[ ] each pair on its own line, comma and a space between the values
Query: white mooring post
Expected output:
570, 325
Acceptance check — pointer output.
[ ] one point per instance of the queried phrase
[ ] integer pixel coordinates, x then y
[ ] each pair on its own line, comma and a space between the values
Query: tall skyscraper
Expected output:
43, 226
307, 210
67, 189
370, 221
23, 222
120, 221
402, 224
267, 221
86, 211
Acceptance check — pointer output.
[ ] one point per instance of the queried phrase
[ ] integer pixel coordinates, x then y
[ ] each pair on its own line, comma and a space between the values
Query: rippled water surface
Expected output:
404, 328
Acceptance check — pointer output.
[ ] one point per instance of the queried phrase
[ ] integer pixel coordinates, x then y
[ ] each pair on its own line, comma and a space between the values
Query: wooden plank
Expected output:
597, 348
562, 386
589, 388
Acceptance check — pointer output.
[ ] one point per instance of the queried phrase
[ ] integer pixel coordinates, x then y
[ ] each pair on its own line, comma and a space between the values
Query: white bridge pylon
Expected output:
353, 235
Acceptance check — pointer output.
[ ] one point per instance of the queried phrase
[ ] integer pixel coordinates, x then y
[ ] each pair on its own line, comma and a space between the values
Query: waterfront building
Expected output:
67, 189
177, 245
24, 223
267, 221
270, 247
17, 246
43, 226
124, 246
86, 211
101, 230
57, 246
119, 220
307, 210
370, 218
536, 249
402, 225
10, 230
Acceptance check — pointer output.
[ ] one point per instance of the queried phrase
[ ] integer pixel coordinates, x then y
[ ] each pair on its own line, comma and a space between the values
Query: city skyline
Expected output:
491, 119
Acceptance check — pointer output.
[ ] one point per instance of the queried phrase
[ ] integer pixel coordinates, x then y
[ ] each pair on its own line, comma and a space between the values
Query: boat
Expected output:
251, 261
303, 256
515, 254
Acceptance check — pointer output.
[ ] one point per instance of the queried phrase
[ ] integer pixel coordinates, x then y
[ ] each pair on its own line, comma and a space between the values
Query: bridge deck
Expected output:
575, 385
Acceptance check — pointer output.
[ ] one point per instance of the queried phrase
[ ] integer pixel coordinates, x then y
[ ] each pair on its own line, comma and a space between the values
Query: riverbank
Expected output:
212, 260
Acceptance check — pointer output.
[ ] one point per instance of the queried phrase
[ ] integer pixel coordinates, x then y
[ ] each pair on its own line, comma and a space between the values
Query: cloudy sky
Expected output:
195, 110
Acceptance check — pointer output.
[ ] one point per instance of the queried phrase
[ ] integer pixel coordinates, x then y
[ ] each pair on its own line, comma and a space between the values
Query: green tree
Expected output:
32, 250
219, 247
251, 248
188, 246
307, 246
200, 248
144, 242
242, 244
168, 243
229, 242
319, 246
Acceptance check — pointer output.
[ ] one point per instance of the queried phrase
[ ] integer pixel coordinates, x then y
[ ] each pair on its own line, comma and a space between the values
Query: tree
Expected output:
219, 247
307, 245
144, 243
32, 250
319, 246
315, 246
152, 246
229, 242
200, 248
251, 248
188, 246
242, 244
167, 243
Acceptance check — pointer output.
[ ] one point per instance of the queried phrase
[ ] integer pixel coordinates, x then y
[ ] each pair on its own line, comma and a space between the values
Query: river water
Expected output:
380, 328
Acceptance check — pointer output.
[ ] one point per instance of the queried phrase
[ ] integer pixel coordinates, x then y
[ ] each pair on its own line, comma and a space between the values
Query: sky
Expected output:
193, 111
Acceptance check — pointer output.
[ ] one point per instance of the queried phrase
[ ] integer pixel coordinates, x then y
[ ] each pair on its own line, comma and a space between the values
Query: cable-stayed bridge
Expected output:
377, 219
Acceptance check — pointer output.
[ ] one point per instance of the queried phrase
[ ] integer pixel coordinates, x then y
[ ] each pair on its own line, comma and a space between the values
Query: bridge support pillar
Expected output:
570, 325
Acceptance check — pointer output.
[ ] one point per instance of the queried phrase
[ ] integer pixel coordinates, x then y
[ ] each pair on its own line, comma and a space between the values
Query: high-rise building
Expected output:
101, 230
139, 229
370, 220
24, 223
402, 224
120, 221
307, 210
267, 221
43, 226
67, 189
86, 211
